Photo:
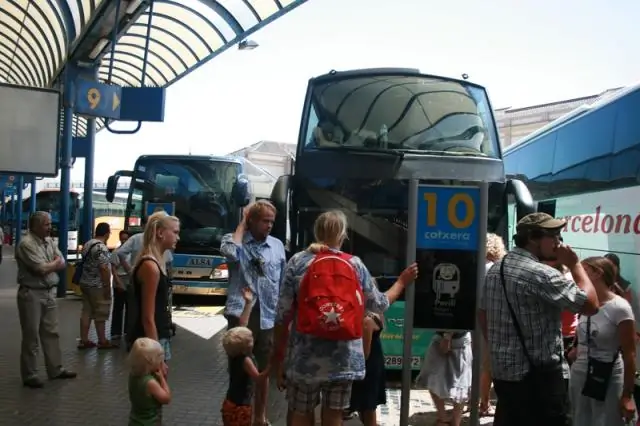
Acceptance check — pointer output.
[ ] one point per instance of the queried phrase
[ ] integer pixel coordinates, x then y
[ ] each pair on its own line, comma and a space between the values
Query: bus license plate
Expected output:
396, 361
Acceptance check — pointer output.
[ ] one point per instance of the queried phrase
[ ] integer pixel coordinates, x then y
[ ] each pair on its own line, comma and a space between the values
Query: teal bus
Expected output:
585, 168
363, 135
207, 194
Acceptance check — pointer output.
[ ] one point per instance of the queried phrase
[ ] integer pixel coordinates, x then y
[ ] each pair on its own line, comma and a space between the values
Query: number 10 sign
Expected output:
448, 217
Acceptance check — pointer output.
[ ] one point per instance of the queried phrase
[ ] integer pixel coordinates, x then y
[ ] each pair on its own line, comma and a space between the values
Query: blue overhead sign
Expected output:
95, 99
448, 217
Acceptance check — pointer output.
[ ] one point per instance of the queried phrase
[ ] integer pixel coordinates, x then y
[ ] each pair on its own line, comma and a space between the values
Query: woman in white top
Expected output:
602, 382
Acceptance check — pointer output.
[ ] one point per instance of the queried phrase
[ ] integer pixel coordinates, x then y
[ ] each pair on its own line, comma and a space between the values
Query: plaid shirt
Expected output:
538, 294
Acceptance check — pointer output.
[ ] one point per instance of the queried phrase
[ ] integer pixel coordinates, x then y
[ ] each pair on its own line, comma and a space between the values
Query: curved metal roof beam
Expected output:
67, 18
136, 78
185, 26
225, 15
13, 47
169, 33
15, 77
43, 37
199, 15
254, 12
119, 53
61, 50
153, 41
150, 52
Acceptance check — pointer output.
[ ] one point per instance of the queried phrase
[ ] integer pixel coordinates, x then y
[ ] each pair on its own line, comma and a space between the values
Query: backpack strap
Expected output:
91, 247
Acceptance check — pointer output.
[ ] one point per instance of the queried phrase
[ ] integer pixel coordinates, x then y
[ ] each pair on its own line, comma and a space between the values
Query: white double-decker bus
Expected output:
585, 167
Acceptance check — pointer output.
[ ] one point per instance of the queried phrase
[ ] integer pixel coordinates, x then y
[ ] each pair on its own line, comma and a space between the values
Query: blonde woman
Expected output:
495, 251
316, 366
151, 284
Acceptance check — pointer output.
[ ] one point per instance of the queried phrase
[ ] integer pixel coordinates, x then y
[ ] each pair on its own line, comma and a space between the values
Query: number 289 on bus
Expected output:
448, 217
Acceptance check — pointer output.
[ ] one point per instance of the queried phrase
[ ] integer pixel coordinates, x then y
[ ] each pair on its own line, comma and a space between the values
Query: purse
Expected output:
598, 372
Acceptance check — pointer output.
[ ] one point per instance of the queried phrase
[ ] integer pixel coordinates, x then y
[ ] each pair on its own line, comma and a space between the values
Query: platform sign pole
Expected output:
20, 192
32, 200
474, 419
65, 177
409, 304
87, 199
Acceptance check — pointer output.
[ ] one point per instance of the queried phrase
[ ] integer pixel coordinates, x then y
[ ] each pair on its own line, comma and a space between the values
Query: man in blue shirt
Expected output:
256, 260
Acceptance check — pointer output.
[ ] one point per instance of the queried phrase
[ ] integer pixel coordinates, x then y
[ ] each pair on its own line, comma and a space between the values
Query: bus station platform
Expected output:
98, 396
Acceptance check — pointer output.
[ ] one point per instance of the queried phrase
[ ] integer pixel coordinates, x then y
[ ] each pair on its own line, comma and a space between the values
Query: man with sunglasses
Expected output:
520, 315
256, 260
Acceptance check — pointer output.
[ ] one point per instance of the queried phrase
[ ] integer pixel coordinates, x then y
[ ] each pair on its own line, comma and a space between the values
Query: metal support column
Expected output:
474, 419
20, 191
87, 199
3, 208
32, 200
65, 178
13, 218
409, 304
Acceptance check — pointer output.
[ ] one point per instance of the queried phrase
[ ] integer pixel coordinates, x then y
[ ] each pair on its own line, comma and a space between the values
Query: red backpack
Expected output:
330, 300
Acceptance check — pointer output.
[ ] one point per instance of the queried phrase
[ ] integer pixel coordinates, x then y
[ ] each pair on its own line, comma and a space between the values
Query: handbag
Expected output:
598, 372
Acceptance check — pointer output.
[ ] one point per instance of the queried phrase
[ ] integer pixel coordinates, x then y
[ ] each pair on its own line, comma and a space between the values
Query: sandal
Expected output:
87, 345
108, 345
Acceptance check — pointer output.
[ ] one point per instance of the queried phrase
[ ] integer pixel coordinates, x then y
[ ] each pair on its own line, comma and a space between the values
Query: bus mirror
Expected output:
241, 194
524, 200
280, 199
112, 185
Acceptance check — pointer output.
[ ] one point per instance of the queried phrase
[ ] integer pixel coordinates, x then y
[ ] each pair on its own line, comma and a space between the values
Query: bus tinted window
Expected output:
426, 114
201, 191
600, 149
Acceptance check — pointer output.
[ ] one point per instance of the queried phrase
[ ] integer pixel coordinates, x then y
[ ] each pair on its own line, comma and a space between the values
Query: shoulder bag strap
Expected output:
516, 324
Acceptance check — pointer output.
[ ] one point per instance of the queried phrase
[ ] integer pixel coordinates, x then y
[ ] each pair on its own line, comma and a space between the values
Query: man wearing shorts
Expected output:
95, 283
256, 260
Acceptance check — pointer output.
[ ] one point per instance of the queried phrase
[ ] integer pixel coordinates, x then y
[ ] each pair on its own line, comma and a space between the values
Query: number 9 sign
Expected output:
448, 217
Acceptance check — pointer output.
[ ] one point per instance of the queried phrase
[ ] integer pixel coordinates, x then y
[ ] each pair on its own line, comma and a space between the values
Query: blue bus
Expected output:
585, 167
207, 194
363, 135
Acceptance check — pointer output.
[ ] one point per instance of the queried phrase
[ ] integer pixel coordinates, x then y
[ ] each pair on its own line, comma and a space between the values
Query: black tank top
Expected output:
240, 390
162, 304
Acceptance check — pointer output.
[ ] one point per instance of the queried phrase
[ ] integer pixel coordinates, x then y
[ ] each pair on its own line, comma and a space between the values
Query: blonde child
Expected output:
148, 388
237, 409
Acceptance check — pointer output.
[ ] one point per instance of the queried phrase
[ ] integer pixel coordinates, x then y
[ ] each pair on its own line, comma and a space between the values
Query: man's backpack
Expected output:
77, 274
330, 303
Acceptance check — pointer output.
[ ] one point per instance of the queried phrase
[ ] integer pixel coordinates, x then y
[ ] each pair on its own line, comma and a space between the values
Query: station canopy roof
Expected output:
35, 37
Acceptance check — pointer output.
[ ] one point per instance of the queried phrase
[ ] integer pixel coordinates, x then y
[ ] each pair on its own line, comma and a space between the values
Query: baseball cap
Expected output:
540, 221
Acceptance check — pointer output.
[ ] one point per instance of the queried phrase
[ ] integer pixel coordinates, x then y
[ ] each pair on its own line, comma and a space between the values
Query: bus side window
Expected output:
548, 207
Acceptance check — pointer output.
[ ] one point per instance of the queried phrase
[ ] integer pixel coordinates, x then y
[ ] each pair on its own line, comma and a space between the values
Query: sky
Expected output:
524, 52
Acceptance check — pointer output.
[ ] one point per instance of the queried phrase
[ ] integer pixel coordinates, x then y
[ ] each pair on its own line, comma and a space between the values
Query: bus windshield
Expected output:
414, 114
49, 201
201, 191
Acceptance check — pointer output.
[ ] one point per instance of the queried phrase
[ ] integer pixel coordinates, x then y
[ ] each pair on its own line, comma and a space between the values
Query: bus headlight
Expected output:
220, 273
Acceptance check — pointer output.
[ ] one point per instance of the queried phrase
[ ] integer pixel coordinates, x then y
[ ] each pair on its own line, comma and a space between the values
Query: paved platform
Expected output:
99, 397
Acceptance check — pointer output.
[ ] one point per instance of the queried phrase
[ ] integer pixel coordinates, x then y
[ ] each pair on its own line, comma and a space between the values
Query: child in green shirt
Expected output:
148, 388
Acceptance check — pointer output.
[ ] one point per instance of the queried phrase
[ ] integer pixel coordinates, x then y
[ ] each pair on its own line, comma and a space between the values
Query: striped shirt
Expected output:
538, 294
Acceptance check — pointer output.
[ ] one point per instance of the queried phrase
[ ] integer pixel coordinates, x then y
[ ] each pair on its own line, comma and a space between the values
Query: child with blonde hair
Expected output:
148, 388
237, 342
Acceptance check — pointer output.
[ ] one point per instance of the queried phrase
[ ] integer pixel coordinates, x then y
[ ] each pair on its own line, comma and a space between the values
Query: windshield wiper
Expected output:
442, 153
364, 150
